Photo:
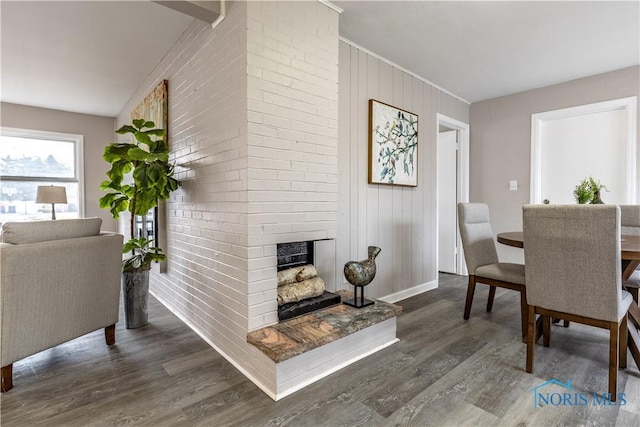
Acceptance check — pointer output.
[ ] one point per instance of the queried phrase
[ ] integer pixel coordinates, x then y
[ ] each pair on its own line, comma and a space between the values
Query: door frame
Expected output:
462, 179
628, 104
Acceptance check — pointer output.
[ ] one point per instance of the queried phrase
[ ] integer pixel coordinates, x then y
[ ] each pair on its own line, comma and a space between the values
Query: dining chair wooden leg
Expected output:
546, 331
110, 334
492, 295
470, 290
531, 320
623, 342
613, 359
524, 310
6, 382
565, 323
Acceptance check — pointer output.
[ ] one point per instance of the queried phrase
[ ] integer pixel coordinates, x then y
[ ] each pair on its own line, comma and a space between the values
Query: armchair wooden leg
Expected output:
470, 290
613, 360
492, 295
110, 334
623, 342
531, 333
6, 383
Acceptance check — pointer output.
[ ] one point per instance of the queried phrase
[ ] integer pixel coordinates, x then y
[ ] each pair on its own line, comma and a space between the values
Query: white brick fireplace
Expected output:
253, 129
292, 93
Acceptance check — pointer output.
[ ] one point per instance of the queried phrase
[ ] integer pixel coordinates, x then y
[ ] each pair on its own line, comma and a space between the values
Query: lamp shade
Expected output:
51, 194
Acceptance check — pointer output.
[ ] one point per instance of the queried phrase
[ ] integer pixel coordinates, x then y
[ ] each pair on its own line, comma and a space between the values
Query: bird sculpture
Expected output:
360, 274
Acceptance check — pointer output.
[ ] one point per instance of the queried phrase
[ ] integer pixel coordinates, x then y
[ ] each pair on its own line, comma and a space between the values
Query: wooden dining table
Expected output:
630, 256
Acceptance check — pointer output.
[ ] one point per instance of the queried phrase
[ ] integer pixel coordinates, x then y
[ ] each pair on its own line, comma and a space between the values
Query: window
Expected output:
31, 158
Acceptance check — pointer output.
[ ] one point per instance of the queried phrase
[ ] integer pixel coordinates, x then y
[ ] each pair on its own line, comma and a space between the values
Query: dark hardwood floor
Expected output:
444, 372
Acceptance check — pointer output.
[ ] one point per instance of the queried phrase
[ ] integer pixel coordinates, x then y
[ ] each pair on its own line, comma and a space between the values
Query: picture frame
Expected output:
393, 145
154, 107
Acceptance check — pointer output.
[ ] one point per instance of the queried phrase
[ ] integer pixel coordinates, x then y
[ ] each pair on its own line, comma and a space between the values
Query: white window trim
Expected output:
78, 141
628, 104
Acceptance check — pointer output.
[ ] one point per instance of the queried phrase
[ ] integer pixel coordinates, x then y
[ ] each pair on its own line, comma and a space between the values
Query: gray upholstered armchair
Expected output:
573, 267
59, 280
482, 260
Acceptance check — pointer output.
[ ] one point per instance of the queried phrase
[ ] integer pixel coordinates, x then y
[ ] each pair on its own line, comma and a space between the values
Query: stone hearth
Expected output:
295, 336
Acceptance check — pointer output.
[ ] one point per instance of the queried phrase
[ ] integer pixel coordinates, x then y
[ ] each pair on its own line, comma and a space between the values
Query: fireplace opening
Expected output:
300, 288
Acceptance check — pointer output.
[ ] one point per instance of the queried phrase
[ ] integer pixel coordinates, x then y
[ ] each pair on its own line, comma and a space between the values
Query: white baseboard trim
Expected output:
195, 329
406, 293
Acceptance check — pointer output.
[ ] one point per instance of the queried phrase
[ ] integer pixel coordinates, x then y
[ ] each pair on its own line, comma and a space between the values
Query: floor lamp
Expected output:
51, 194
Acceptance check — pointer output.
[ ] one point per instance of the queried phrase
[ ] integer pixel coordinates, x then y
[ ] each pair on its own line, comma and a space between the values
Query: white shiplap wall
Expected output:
400, 220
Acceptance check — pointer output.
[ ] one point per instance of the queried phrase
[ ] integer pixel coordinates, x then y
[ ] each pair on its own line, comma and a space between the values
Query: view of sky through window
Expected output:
28, 161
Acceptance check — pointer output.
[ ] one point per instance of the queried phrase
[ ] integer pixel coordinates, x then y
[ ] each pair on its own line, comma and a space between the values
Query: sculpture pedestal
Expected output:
358, 302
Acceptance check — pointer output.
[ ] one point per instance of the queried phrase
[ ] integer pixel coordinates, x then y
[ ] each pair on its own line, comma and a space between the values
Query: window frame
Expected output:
78, 144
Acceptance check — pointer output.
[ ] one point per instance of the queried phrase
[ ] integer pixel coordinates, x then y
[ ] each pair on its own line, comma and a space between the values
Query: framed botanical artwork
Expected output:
393, 145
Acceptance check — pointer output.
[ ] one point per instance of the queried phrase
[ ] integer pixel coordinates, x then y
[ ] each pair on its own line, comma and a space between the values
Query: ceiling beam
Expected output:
207, 11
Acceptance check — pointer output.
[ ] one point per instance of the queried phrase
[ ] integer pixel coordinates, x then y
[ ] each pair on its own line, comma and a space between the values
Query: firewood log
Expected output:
308, 272
289, 275
300, 290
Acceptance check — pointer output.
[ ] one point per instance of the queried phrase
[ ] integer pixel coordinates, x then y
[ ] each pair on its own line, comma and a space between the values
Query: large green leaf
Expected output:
143, 138
162, 147
155, 173
139, 123
116, 152
156, 132
140, 175
118, 170
106, 200
138, 154
146, 199
116, 203
126, 129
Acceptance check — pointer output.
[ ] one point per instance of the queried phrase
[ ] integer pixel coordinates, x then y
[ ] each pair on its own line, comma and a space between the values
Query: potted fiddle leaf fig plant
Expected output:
146, 161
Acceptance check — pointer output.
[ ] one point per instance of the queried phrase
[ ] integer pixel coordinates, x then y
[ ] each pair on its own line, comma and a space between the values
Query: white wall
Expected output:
399, 220
500, 146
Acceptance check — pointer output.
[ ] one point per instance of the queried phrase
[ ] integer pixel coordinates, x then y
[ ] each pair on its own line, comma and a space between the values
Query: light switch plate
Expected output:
513, 185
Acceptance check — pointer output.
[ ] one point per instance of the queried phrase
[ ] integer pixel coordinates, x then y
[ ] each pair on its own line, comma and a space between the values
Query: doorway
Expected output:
571, 144
452, 168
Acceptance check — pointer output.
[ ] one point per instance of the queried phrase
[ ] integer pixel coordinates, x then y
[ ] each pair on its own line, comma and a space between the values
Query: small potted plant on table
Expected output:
588, 191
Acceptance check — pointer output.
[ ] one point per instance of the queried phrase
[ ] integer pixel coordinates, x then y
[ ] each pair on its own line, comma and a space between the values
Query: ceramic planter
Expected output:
135, 290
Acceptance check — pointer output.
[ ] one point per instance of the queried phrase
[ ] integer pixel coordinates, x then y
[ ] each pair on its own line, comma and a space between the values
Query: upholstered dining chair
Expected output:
482, 260
630, 224
572, 262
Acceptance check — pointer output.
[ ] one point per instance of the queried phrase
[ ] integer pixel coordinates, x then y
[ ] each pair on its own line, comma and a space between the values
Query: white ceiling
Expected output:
82, 56
91, 56
481, 50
